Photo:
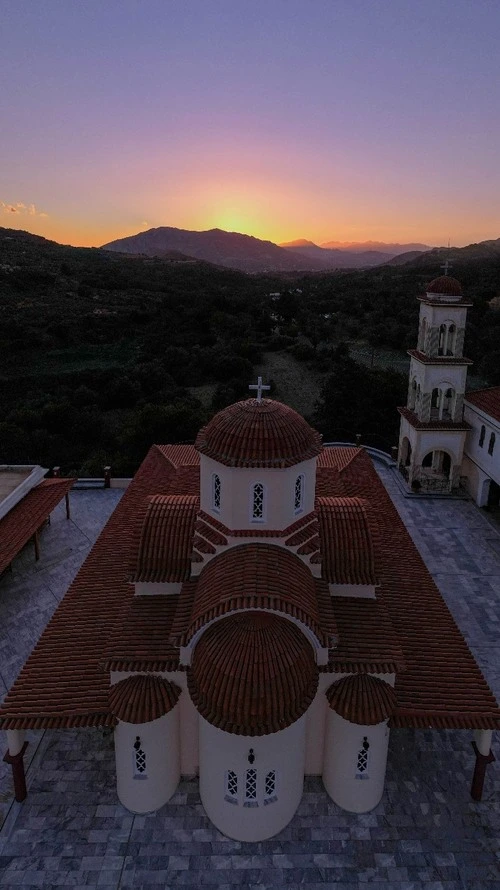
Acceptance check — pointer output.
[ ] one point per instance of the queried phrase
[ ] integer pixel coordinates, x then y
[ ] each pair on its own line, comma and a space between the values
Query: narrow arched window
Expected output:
216, 491
270, 794
363, 760
299, 494
231, 794
491, 444
139, 760
258, 501
482, 435
450, 345
251, 788
442, 336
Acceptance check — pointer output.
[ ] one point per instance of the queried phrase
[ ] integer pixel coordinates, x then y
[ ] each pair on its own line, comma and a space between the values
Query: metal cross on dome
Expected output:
259, 386
446, 267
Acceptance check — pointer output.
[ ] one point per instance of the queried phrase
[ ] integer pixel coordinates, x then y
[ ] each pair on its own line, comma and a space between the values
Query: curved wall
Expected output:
159, 740
353, 790
257, 819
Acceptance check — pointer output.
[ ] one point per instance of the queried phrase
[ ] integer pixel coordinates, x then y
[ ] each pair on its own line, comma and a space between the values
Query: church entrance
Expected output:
494, 496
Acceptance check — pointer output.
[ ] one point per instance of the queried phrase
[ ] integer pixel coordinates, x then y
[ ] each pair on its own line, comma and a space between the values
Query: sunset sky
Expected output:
321, 119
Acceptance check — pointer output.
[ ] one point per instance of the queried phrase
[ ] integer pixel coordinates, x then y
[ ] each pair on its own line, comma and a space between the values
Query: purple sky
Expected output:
323, 119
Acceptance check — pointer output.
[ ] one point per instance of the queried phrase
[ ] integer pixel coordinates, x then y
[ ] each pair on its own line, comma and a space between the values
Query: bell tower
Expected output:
432, 432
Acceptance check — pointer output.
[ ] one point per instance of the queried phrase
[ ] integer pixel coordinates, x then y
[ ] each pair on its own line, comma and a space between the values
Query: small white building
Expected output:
481, 463
253, 612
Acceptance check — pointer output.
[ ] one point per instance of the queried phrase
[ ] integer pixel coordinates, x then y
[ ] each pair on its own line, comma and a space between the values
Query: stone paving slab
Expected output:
426, 832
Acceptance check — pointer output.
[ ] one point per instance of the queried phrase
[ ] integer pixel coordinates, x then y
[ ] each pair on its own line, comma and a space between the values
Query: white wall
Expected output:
221, 751
487, 465
236, 497
160, 742
343, 741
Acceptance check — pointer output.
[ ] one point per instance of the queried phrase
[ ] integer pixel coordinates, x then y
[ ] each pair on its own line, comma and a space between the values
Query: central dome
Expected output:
257, 433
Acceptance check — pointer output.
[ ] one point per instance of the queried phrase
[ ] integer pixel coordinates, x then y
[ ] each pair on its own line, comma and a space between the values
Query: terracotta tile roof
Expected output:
26, 517
487, 400
362, 699
142, 698
207, 530
442, 684
445, 284
257, 532
63, 682
252, 674
337, 456
253, 576
164, 538
412, 419
258, 434
439, 359
346, 542
367, 639
180, 455
141, 634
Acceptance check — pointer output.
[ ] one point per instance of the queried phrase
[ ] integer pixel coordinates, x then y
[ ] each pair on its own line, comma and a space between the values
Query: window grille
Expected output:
481, 436
299, 493
362, 763
139, 758
258, 501
216, 489
491, 443
270, 783
231, 786
251, 785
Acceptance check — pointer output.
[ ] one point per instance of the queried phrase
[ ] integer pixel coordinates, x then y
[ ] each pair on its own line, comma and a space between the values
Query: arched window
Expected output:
450, 343
448, 403
216, 490
363, 760
139, 760
299, 494
442, 337
251, 788
258, 502
482, 435
270, 787
491, 444
231, 794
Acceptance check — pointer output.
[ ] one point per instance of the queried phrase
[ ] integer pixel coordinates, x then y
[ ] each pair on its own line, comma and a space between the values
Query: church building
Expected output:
255, 611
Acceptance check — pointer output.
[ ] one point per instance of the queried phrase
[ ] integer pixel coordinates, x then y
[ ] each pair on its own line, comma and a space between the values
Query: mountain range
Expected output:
249, 254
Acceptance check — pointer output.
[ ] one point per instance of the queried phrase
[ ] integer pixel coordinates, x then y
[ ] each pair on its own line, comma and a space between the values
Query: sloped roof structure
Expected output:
100, 625
487, 400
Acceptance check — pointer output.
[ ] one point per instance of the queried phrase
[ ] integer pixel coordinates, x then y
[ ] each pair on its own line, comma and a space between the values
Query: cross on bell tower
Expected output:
259, 386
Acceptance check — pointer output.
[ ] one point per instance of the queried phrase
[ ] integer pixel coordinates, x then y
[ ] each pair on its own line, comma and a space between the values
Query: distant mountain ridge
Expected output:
246, 253
231, 249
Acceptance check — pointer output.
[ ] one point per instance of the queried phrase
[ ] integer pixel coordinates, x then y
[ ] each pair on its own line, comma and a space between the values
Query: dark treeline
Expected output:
99, 352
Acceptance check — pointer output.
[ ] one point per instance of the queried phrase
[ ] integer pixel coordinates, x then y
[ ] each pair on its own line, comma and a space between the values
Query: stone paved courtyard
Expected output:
425, 833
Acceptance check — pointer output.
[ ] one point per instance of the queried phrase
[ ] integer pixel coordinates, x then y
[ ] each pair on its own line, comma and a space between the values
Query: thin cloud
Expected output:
22, 209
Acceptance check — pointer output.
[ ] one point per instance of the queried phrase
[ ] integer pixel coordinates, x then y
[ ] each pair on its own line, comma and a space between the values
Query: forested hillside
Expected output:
101, 354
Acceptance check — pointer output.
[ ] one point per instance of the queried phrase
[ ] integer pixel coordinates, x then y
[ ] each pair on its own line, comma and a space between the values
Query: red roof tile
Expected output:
337, 456
141, 635
252, 674
164, 538
253, 576
362, 699
180, 455
142, 698
346, 543
26, 517
445, 285
258, 434
367, 639
487, 400
439, 359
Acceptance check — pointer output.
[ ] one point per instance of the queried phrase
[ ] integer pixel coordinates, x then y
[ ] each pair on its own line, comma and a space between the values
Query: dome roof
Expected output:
362, 699
256, 433
142, 698
253, 673
450, 287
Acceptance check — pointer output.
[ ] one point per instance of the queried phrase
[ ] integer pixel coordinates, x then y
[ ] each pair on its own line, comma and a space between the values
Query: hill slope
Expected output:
230, 249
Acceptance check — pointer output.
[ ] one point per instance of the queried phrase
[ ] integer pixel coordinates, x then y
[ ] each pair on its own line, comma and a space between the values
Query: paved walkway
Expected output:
426, 832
